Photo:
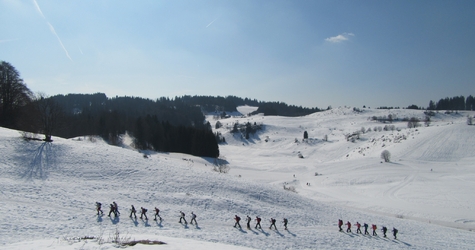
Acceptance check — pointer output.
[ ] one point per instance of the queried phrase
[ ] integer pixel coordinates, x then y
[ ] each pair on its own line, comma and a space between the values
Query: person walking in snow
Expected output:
374, 227
143, 212
348, 224
182, 217
340, 224
384, 231
358, 226
133, 211
193, 218
248, 220
98, 208
258, 222
272, 223
395, 233
237, 219
116, 208
365, 228
157, 211
285, 221
112, 210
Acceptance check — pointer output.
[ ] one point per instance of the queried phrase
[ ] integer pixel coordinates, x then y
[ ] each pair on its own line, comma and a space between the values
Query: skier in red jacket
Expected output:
258, 222
358, 227
237, 219
348, 224
374, 227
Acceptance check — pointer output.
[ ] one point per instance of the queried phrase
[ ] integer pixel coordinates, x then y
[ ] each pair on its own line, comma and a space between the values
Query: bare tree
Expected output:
386, 156
427, 121
413, 122
49, 115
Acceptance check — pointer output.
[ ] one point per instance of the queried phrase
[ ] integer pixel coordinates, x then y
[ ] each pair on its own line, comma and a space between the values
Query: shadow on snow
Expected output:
42, 161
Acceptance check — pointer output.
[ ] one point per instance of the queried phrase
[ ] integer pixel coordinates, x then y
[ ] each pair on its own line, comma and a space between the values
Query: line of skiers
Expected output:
373, 227
258, 222
193, 218
114, 209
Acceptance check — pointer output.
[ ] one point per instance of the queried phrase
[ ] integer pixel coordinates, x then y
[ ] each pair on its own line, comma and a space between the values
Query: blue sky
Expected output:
310, 53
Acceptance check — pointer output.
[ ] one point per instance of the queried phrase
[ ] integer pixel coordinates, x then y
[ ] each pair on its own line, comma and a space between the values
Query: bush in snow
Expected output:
427, 121
220, 166
386, 156
290, 188
469, 120
218, 125
27, 136
413, 122
224, 169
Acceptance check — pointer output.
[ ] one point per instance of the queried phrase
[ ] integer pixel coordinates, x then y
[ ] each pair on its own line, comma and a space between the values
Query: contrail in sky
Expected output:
212, 22
38, 9
52, 30
8, 40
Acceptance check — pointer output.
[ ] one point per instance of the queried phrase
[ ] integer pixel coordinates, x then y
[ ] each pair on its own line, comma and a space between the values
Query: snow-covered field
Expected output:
48, 190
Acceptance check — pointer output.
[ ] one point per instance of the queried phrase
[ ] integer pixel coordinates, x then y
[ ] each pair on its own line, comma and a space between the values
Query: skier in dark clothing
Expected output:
272, 221
340, 224
358, 227
157, 211
248, 220
285, 221
237, 219
395, 233
143, 212
193, 218
374, 227
384, 231
365, 228
182, 217
112, 210
258, 222
116, 208
133, 211
348, 224
98, 208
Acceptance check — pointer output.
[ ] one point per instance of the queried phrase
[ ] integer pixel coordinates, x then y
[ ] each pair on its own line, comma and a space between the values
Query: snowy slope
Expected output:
430, 177
48, 191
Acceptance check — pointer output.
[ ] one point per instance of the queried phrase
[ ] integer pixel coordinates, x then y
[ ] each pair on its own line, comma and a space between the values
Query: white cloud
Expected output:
340, 38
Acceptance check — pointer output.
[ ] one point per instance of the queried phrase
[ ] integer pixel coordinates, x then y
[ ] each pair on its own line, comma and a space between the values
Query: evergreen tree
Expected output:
470, 103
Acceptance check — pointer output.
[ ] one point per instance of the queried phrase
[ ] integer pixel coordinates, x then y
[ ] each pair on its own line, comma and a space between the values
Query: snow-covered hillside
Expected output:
429, 179
48, 191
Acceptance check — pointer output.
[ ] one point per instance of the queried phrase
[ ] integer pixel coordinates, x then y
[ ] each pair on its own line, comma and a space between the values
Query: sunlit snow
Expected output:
48, 190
